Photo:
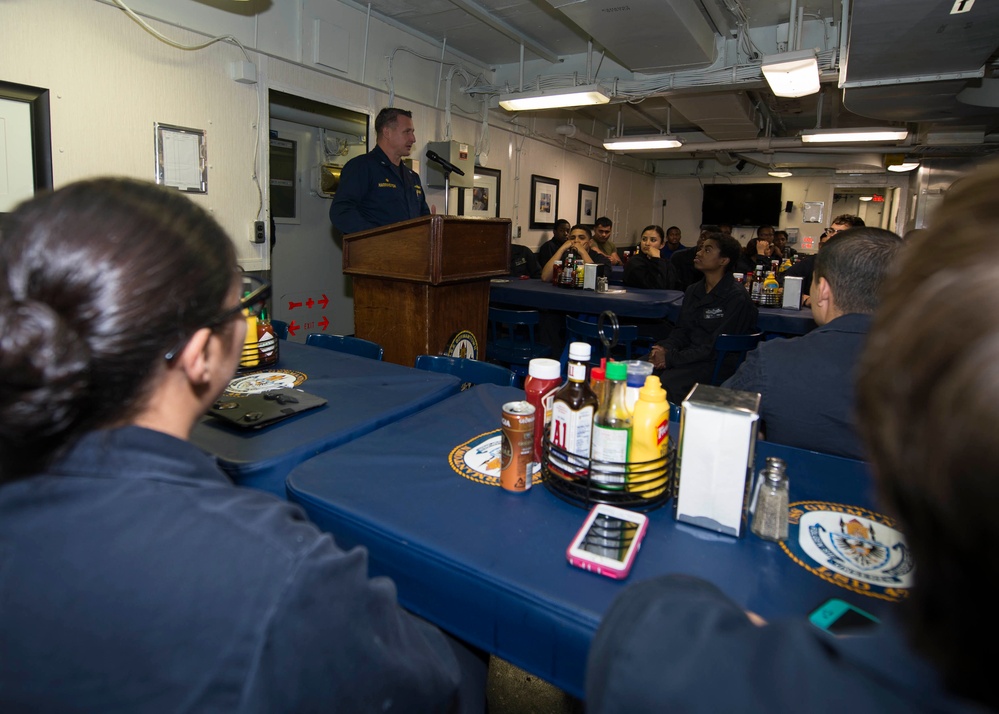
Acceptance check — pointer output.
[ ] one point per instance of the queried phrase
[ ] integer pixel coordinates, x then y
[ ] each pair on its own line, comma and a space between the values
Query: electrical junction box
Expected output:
459, 154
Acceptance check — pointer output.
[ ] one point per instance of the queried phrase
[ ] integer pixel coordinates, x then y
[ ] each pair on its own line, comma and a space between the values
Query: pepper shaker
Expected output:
770, 519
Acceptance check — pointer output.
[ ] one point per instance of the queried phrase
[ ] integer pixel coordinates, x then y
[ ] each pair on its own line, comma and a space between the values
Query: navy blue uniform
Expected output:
134, 577
690, 347
825, 360
373, 192
678, 644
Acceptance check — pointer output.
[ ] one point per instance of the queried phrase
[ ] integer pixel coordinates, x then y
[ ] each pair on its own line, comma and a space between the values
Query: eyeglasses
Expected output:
830, 231
255, 294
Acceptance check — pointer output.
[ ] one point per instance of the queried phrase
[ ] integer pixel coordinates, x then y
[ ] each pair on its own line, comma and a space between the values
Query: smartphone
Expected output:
839, 617
608, 541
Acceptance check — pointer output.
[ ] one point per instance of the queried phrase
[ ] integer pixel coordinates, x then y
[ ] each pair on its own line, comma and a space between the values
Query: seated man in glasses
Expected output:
806, 266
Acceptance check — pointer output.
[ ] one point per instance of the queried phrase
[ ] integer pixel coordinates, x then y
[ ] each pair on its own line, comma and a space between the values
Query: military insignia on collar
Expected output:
852, 547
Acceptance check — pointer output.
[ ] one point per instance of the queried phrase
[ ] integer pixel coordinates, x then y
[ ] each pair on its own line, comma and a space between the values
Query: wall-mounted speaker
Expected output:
789, 206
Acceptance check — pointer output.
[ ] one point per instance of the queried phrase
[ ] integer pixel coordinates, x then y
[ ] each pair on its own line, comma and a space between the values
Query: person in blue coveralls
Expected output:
377, 188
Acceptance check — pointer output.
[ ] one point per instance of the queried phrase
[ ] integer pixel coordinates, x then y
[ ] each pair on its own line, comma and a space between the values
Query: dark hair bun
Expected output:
45, 372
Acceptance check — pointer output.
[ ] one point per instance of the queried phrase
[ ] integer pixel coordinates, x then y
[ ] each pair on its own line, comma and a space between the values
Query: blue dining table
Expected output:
489, 566
624, 302
362, 395
631, 302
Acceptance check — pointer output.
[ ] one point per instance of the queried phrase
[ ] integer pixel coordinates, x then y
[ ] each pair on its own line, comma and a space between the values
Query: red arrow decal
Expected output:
325, 301
293, 328
324, 323
293, 305
309, 303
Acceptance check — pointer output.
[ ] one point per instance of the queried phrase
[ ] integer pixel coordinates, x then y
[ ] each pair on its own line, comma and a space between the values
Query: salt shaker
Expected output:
770, 516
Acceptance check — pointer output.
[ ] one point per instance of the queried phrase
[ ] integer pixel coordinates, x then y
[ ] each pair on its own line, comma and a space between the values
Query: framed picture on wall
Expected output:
544, 201
25, 143
586, 208
483, 199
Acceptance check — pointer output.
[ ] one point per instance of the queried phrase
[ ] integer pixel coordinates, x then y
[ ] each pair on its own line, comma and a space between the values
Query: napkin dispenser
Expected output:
715, 458
590, 276
792, 293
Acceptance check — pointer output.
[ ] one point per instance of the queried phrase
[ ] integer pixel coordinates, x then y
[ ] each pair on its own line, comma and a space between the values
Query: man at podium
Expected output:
377, 188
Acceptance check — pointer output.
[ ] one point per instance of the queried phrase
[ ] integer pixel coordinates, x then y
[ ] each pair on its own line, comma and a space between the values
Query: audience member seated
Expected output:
673, 237
580, 240
712, 306
927, 410
650, 267
135, 576
683, 264
805, 267
757, 252
849, 272
548, 248
602, 242
523, 263
780, 249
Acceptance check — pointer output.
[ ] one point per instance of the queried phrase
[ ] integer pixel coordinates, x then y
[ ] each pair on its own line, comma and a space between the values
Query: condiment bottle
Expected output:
267, 344
649, 440
638, 370
770, 518
251, 355
612, 431
598, 380
770, 288
544, 377
572, 414
756, 291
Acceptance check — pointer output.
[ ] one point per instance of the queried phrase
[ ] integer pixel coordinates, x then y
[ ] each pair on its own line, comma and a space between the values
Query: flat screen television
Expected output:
743, 204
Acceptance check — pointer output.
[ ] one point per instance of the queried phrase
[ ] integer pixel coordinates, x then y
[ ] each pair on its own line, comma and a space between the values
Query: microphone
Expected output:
432, 155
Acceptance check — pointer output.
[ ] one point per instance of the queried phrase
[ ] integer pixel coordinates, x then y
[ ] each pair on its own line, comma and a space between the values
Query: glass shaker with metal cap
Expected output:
770, 517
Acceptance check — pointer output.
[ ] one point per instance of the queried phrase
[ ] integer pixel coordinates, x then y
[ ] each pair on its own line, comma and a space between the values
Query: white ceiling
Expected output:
692, 66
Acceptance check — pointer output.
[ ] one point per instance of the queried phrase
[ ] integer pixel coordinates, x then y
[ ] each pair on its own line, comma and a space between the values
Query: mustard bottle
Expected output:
649, 440
251, 353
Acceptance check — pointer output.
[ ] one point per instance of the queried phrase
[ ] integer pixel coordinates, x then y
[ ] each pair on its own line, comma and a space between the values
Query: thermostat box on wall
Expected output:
459, 154
715, 458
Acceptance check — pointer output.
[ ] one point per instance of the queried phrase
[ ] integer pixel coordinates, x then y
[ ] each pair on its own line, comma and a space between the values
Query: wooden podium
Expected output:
417, 283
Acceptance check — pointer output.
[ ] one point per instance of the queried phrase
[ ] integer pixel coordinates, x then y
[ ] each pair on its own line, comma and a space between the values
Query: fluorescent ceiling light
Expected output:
867, 198
907, 166
640, 143
779, 174
847, 136
792, 74
554, 98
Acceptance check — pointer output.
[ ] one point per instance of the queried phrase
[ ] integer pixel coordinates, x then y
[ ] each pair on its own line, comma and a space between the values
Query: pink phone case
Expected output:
617, 573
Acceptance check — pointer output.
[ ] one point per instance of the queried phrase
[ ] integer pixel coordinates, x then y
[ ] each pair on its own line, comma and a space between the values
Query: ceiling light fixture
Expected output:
780, 174
554, 98
866, 198
792, 74
903, 167
847, 136
643, 143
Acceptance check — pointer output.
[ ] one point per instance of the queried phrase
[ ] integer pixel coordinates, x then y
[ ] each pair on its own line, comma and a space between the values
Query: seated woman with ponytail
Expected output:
134, 576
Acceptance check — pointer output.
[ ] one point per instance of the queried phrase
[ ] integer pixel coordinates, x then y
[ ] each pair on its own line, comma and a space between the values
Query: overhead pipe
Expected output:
790, 23
521, 67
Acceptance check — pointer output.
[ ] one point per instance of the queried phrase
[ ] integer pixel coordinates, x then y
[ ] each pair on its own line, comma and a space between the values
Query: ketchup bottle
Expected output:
544, 377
